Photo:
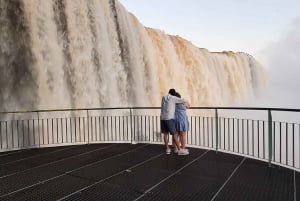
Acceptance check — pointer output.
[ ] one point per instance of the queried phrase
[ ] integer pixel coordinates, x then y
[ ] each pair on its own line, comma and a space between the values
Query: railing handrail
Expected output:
128, 108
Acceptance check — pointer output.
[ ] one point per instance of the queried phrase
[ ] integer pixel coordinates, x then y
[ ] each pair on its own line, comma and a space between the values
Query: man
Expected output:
167, 121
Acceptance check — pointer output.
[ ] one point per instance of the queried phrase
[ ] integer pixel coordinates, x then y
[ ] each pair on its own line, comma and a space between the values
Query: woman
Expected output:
181, 121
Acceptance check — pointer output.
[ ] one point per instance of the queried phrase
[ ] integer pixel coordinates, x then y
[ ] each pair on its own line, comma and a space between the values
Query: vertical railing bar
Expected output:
224, 138
108, 132
43, 131
145, 129
203, 130
1, 134
6, 135
100, 127
92, 130
52, 130
274, 133
152, 120
220, 133
111, 128
131, 129
75, 128
280, 128
199, 130
243, 137
158, 127
264, 139
80, 133
71, 129
123, 120
252, 137
38, 116
119, 127
293, 147
191, 131
149, 127
238, 134
56, 119
270, 136
196, 137
99, 130
128, 126
207, 130
33, 127
258, 136
217, 129
12, 134
286, 143
233, 131
88, 126
28, 133
248, 139
18, 133
228, 134
66, 129
61, 130
95, 120
115, 123
212, 131
97, 127
23, 133
139, 123
103, 123
107, 128
143, 135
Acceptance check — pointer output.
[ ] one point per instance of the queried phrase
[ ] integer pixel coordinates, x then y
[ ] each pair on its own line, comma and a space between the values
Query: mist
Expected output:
282, 62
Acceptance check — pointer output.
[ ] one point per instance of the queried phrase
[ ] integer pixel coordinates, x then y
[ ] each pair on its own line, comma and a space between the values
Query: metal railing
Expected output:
250, 132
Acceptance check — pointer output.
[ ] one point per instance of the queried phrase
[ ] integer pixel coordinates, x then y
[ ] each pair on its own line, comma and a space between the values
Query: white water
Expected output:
73, 54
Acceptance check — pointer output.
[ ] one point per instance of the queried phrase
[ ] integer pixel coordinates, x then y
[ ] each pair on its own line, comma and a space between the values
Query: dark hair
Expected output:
172, 92
178, 95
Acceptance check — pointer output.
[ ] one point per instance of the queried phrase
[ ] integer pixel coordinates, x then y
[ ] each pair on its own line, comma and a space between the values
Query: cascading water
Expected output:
74, 54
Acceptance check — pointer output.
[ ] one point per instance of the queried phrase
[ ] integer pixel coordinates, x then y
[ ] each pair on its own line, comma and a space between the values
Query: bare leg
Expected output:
176, 141
183, 139
174, 144
166, 140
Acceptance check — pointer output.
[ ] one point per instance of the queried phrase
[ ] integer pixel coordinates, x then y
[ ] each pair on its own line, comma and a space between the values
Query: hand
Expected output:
187, 105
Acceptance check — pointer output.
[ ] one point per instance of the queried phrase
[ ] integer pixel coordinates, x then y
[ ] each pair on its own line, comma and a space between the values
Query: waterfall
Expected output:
73, 54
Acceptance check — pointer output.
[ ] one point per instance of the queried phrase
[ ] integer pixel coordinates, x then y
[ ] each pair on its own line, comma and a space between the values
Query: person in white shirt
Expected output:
167, 121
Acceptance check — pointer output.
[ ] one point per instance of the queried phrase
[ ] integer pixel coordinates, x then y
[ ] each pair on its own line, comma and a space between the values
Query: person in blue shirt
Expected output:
181, 121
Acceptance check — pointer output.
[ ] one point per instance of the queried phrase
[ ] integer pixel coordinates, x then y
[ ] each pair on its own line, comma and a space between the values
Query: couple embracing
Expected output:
174, 121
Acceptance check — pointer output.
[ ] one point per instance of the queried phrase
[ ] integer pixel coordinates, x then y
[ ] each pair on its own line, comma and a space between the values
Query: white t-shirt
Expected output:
168, 103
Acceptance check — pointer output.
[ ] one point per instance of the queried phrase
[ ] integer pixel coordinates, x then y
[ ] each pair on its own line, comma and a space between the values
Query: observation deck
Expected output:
118, 154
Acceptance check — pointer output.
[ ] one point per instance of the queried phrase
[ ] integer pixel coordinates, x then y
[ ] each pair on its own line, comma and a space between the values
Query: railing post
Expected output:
217, 129
88, 126
270, 136
131, 129
38, 118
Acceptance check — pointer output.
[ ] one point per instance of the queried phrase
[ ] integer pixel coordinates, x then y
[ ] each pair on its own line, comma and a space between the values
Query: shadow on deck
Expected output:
140, 172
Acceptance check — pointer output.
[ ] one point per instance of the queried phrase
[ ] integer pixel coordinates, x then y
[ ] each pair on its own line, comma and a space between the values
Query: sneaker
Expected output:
187, 150
175, 151
183, 152
168, 151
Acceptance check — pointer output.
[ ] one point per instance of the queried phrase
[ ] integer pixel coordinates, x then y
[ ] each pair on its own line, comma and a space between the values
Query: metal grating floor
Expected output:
140, 172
